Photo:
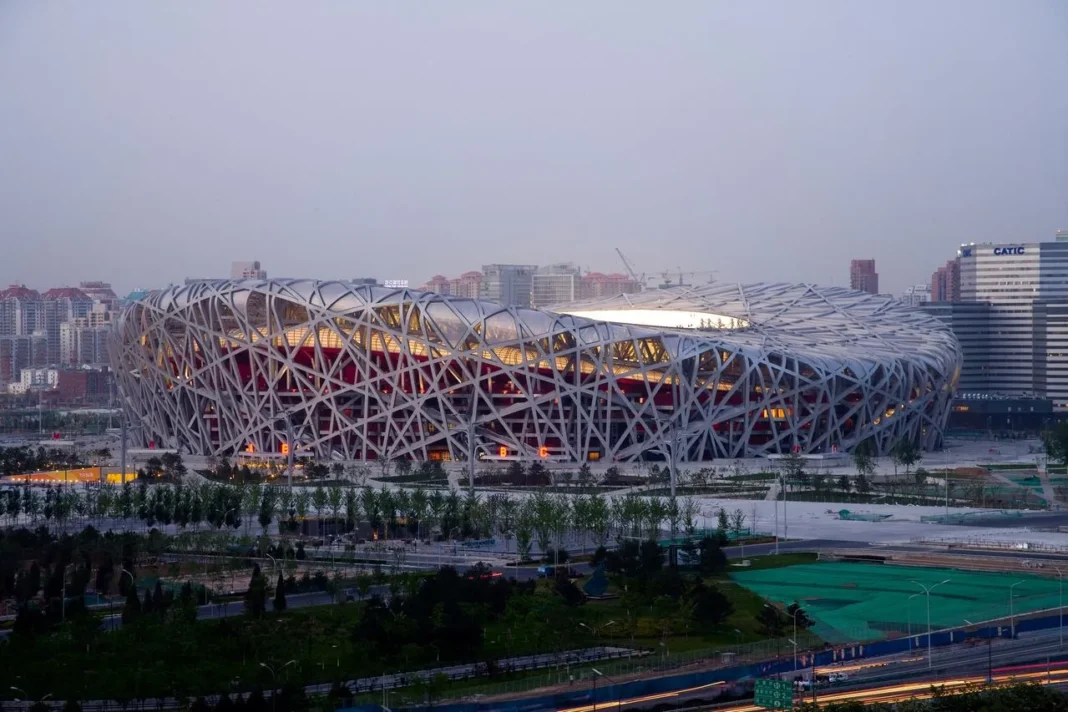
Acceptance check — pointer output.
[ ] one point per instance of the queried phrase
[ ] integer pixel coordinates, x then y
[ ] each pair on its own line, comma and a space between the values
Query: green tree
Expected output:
1056, 442
793, 465
795, 612
905, 453
708, 605
280, 595
256, 595
723, 520
844, 484
770, 620
132, 609
864, 458
585, 475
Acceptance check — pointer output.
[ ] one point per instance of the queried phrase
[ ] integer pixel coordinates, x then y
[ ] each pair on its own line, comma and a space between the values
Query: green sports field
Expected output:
858, 601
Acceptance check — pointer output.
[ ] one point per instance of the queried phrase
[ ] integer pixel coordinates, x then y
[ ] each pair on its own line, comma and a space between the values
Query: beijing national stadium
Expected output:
363, 373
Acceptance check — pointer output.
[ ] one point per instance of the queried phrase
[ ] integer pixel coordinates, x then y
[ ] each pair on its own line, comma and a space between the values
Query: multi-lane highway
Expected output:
887, 679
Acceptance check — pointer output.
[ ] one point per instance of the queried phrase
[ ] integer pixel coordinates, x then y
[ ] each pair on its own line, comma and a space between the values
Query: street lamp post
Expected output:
946, 451
927, 590
908, 608
274, 563
133, 582
597, 629
794, 616
776, 523
785, 517
597, 673
26, 696
274, 680
794, 641
1012, 614
1060, 602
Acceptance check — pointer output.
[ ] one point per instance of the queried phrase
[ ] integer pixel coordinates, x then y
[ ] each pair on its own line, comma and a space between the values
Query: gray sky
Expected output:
142, 142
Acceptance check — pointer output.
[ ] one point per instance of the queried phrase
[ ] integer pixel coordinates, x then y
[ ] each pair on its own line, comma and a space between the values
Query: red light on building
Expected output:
543, 452
503, 451
285, 448
151, 444
250, 448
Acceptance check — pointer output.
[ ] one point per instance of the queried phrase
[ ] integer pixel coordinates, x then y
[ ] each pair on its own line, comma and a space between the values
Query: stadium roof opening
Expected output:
662, 318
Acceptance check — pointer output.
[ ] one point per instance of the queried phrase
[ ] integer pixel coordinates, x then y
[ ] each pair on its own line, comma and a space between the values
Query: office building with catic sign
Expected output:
1012, 318
687, 373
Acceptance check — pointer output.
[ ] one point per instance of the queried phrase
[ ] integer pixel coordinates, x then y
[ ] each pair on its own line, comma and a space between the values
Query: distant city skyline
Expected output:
771, 142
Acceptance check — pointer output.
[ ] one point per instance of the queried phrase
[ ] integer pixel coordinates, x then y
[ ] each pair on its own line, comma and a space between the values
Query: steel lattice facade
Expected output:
722, 370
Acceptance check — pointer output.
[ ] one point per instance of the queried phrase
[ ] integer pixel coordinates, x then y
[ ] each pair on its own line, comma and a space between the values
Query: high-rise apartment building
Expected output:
61, 305
596, 285
555, 284
19, 352
468, 285
863, 277
247, 270
438, 284
945, 282
101, 293
532, 286
20, 310
83, 341
510, 285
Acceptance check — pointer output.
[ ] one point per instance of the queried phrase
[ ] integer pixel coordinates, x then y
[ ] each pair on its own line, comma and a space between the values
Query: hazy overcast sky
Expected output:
142, 142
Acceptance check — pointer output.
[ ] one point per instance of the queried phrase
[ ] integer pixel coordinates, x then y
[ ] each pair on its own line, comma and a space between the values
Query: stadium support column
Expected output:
290, 447
471, 456
471, 441
122, 447
675, 437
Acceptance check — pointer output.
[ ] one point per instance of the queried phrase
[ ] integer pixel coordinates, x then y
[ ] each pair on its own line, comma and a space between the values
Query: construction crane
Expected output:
669, 276
630, 270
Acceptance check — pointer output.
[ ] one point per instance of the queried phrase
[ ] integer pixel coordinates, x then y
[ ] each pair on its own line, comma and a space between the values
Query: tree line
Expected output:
541, 518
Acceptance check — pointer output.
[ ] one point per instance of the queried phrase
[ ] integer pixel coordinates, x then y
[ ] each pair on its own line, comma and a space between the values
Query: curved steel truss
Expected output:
721, 370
